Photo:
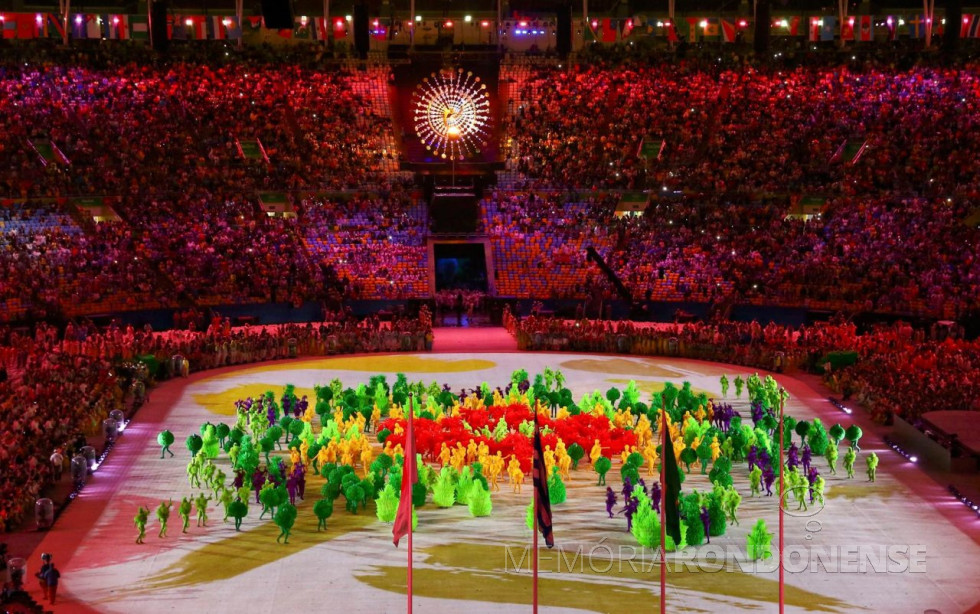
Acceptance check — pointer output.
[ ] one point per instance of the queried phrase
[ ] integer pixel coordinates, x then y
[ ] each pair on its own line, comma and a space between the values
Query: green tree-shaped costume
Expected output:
831, 454
688, 456
269, 497
602, 466
285, 518
464, 486
323, 510
731, 501
386, 505
690, 506
201, 503
556, 488
853, 435
194, 443
758, 543
849, 457
142, 514
739, 384
444, 489
480, 504
818, 489
184, 511
704, 454
165, 439
755, 477
836, 434
226, 498
872, 460
817, 438
163, 515
576, 452
721, 472
355, 496
238, 510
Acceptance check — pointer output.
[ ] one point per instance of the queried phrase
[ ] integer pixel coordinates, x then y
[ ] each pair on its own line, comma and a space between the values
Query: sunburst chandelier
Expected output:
452, 114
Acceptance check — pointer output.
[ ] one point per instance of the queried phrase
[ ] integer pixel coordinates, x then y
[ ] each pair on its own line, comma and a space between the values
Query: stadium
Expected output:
523, 306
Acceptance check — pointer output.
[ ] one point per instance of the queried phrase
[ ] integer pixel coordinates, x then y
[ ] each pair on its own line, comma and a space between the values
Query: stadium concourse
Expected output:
894, 545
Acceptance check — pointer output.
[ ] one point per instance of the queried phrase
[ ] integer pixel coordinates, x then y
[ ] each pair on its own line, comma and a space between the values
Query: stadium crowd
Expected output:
173, 146
898, 370
56, 389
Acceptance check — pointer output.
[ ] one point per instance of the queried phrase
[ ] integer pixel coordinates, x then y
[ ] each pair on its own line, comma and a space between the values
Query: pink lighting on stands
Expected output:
485, 24
78, 19
189, 22
115, 21
742, 23
523, 24
449, 23
39, 19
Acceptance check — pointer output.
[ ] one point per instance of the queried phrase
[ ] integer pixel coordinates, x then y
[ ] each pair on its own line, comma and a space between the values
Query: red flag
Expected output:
728, 31
542, 501
794, 26
866, 28
815, 27
609, 30
410, 475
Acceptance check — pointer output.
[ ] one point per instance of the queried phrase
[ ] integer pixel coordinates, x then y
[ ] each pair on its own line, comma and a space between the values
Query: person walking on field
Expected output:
42, 573
51, 576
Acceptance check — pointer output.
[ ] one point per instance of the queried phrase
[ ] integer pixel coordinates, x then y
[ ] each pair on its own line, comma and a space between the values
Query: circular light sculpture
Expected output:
452, 114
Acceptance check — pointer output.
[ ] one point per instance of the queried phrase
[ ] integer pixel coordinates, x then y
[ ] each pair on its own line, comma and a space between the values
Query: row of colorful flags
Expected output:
858, 28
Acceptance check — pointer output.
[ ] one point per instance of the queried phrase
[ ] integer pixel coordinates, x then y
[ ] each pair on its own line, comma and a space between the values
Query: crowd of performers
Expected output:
467, 441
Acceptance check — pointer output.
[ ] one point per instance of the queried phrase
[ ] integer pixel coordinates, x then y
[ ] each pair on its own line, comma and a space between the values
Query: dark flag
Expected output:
671, 483
542, 502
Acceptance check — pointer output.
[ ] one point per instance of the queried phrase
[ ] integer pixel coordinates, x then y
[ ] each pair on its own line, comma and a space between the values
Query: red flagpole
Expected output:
534, 554
663, 507
411, 412
782, 579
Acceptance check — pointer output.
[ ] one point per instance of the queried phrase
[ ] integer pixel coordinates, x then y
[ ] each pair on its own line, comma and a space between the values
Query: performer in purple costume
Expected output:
706, 521
792, 457
805, 458
258, 480
768, 477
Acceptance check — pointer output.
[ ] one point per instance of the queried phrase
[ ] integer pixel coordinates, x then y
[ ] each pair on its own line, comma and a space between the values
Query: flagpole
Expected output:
782, 579
663, 508
239, 16
149, 21
66, 8
411, 431
534, 554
